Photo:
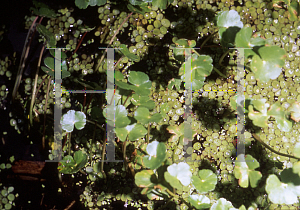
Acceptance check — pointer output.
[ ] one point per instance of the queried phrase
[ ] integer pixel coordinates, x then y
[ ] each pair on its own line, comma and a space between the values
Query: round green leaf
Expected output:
157, 155
142, 115
137, 78
10, 189
199, 201
82, 4
11, 197
244, 170
181, 171
2, 166
97, 2
161, 4
121, 119
138, 131
277, 111
243, 37
228, 19
268, 64
80, 158
281, 193
4, 192
122, 133
173, 181
145, 178
8, 206
222, 204
201, 68
72, 118
205, 181
295, 111
259, 119
70, 165
126, 53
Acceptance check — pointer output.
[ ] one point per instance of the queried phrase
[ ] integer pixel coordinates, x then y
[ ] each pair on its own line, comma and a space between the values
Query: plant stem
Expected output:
220, 73
95, 123
70, 143
78, 45
33, 96
127, 99
206, 40
223, 56
88, 104
38, 89
195, 52
270, 148
23, 59
112, 39
112, 98
124, 154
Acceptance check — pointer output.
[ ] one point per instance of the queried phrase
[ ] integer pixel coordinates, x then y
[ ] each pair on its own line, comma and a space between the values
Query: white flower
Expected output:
182, 172
152, 148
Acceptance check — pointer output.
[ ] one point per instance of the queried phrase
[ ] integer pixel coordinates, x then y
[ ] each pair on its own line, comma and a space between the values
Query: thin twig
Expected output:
220, 73
71, 204
78, 45
87, 106
70, 143
95, 123
127, 99
112, 39
124, 154
206, 40
38, 89
223, 56
270, 148
23, 59
35, 84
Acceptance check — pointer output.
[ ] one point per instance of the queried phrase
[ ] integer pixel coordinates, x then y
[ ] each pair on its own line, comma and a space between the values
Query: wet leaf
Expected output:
281, 193
157, 155
205, 181
244, 171
267, 65
199, 201
72, 118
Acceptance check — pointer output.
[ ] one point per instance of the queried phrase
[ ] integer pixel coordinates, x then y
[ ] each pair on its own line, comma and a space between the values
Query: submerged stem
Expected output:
270, 148
112, 39
220, 73
33, 96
